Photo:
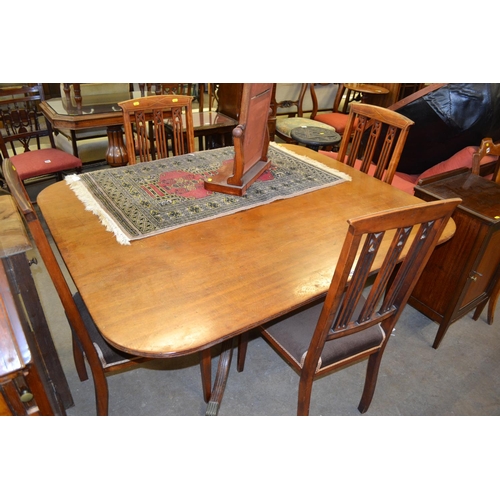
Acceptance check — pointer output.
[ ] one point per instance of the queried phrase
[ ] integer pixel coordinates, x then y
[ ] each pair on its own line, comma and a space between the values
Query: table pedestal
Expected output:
220, 378
116, 154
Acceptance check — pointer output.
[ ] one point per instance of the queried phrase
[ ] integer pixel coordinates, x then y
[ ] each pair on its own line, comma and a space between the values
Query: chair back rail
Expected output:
487, 147
145, 121
374, 135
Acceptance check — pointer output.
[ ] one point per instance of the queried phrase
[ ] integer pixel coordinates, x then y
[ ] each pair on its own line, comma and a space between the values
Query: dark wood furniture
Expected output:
251, 143
487, 147
462, 273
21, 388
183, 291
94, 112
346, 327
32, 381
88, 341
103, 111
23, 129
144, 122
379, 156
315, 137
367, 92
211, 128
228, 96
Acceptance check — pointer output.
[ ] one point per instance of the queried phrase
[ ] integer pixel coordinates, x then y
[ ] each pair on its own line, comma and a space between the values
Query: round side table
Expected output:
315, 137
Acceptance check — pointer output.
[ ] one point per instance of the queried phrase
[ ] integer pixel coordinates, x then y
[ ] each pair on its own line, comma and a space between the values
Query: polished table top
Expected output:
182, 291
367, 88
103, 110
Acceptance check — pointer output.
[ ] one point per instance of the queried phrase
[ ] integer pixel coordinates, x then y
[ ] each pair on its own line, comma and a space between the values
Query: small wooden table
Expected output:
315, 137
183, 291
367, 91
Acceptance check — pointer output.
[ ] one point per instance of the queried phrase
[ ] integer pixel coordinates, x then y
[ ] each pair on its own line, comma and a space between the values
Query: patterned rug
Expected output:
145, 199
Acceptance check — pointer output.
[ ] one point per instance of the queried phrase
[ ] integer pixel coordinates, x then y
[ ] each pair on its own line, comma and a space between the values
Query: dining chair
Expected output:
346, 327
23, 129
373, 140
295, 118
87, 341
145, 122
207, 138
339, 115
487, 148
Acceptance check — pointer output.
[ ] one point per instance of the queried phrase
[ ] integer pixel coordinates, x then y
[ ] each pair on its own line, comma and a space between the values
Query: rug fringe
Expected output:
90, 203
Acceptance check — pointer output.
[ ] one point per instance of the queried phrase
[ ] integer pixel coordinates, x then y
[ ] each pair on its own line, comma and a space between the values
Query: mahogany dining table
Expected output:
183, 291
99, 111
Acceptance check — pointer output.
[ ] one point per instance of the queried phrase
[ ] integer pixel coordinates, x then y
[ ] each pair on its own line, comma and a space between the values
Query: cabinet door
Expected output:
483, 270
445, 275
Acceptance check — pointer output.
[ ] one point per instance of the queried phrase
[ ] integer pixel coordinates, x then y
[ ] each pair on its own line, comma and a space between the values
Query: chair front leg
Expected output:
206, 373
242, 351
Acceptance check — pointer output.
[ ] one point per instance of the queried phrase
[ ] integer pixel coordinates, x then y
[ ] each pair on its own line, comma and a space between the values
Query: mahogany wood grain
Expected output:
176, 293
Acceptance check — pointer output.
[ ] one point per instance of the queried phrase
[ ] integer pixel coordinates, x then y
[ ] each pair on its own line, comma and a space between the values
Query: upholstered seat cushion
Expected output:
295, 331
462, 158
335, 120
286, 125
43, 161
108, 355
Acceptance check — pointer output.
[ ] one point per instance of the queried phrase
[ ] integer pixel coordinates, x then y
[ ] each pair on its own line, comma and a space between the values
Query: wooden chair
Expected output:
487, 147
295, 118
385, 133
346, 327
337, 117
22, 127
146, 118
88, 343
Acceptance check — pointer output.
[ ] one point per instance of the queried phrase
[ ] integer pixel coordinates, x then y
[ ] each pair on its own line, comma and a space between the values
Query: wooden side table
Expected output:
315, 137
32, 381
461, 273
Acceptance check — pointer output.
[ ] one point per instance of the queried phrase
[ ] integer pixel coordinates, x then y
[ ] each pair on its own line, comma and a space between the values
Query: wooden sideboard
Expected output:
461, 273
32, 381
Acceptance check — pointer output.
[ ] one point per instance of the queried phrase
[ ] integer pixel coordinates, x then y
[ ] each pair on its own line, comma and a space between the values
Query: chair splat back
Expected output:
487, 147
374, 136
361, 248
147, 117
20, 115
